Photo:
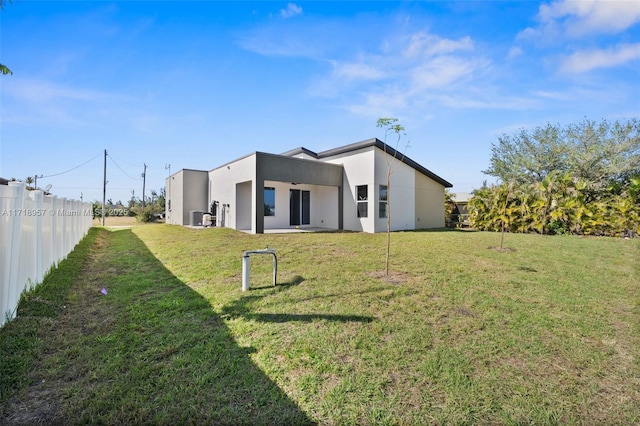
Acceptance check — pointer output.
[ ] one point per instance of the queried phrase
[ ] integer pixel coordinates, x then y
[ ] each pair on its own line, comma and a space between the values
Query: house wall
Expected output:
186, 191
173, 201
235, 187
306, 174
223, 189
401, 194
242, 219
358, 170
429, 208
323, 209
195, 188
416, 201
325, 214
281, 219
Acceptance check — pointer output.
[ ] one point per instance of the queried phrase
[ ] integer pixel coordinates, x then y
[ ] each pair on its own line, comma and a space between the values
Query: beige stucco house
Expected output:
339, 189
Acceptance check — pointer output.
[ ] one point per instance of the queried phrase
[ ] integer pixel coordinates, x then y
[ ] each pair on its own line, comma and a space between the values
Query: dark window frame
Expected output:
383, 202
362, 201
269, 210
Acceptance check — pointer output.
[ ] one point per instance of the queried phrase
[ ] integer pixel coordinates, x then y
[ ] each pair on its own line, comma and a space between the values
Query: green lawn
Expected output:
547, 331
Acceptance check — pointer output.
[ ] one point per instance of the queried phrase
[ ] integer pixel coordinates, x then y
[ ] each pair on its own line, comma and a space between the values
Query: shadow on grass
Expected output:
428, 230
151, 351
243, 308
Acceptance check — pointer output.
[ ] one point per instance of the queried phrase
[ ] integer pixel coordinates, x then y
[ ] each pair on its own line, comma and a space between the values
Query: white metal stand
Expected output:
246, 266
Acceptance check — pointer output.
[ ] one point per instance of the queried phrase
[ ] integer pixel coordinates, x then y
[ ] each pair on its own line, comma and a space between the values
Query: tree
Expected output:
449, 207
3, 68
29, 181
601, 154
527, 157
604, 153
152, 209
391, 127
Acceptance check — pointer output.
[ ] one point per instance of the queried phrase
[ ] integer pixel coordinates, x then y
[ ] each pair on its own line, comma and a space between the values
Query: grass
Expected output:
547, 332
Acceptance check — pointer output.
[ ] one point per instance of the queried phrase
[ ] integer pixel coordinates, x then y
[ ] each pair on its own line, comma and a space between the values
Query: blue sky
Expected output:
198, 84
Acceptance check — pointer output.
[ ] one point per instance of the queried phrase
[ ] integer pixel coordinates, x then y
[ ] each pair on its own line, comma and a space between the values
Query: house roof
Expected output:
300, 150
366, 144
461, 197
187, 170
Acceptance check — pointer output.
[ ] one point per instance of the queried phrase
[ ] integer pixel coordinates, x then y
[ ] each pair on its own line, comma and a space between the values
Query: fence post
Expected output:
62, 218
38, 275
55, 252
47, 258
12, 260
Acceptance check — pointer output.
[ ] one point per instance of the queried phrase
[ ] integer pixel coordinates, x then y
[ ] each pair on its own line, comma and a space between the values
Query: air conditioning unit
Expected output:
195, 218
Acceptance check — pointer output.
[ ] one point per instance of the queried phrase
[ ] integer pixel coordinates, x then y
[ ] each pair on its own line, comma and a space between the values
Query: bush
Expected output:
559, 204
146, 214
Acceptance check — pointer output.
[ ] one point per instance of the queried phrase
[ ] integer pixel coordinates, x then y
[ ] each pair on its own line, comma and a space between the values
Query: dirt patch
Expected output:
39, 407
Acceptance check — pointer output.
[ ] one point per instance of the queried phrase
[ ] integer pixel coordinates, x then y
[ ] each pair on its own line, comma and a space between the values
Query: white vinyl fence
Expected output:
36, 232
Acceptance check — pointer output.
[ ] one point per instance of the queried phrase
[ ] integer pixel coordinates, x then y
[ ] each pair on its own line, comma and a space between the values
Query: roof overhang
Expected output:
389, 150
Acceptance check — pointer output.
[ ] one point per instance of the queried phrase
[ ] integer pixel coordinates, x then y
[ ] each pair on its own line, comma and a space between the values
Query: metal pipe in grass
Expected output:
246, 266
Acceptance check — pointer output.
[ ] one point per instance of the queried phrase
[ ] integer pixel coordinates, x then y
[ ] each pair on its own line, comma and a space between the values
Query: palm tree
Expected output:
29, 181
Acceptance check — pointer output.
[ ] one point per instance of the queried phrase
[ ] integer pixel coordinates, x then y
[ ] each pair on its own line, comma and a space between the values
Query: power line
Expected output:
70, 170
120, 168
125, 161
137, 165
80, 187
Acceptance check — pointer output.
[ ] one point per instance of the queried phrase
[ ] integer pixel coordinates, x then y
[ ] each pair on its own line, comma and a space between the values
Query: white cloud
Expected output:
293, 38
40, 101
424, 45
360, 71
587, 60
387, 102
38, 91
291, 10
554, 96
514, 52
443, 71
401, 72
412, 71
593, 16
579, 18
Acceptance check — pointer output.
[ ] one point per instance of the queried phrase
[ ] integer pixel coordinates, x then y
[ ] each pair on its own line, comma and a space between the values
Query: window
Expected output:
362, 195
383, 207
269, 201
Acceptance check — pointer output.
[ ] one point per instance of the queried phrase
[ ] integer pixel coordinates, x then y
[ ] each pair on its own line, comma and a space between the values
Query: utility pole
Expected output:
104, 186
35, 181
144, 181
168, 166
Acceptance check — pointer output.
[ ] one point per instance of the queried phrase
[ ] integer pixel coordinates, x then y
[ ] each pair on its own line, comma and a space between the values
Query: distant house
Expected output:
460, 213
339, 189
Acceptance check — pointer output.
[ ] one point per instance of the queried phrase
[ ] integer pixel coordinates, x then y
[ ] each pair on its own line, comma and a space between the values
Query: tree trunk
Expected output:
388, 220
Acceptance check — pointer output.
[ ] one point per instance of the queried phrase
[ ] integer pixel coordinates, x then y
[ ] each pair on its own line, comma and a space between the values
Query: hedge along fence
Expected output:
36, 232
